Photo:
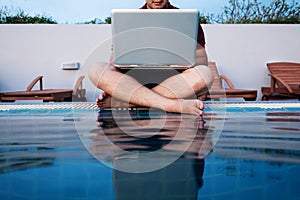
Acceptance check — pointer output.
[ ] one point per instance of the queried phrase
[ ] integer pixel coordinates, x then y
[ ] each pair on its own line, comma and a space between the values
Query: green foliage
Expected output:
22, 18
236, 12
108, 20
6, 17
205, 19
99, 21
95, 21
252, 11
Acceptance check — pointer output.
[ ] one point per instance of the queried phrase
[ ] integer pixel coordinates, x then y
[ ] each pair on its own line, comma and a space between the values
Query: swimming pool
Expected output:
70, 151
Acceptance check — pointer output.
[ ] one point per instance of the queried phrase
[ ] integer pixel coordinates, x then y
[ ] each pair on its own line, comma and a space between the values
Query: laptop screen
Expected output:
154, 36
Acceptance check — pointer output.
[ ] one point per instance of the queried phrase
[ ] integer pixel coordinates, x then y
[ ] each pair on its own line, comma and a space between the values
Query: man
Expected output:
123, 90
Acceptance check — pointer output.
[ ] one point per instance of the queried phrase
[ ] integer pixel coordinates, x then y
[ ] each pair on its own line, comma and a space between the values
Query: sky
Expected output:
78, 11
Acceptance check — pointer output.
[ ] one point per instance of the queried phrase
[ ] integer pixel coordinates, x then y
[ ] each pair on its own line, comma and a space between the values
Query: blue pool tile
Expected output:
62, 111
254, 109
274, 109
211, 109
39, 111
292, 109
19, 111
235, 109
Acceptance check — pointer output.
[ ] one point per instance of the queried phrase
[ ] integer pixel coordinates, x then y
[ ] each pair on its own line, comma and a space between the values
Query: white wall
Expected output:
241, 52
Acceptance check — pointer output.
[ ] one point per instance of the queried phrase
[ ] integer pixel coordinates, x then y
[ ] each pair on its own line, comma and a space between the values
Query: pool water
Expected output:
231, 153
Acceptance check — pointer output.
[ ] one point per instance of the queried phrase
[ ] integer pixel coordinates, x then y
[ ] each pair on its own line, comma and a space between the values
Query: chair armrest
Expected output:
78, 88
275, 78
32, 84
228, 82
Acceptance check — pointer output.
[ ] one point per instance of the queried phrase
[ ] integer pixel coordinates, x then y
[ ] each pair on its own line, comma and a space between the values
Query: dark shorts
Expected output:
151, 77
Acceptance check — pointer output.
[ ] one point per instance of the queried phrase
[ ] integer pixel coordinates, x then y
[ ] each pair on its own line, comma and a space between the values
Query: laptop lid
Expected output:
154, 36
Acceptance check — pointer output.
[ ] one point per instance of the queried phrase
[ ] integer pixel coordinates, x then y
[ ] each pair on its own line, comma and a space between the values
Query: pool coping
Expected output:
92, 106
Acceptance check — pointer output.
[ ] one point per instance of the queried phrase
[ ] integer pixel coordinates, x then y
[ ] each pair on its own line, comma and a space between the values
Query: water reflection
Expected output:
24, 158
184, 139
270, 136
35, 142
42, 156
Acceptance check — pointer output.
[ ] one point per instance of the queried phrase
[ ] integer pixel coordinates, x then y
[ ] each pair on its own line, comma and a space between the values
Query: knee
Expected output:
96, 72
206, 74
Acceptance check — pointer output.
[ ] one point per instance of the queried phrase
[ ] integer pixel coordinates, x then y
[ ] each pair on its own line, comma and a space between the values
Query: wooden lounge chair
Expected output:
78, 91
217, 90
57, 95
285, 81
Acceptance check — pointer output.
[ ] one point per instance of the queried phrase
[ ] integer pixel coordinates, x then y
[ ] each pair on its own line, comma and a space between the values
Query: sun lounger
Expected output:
57, 95
285, 81
78, 91
217, 90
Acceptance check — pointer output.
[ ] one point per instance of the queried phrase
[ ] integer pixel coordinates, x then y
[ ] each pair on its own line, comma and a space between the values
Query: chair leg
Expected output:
265, 98
1, 100
250, 99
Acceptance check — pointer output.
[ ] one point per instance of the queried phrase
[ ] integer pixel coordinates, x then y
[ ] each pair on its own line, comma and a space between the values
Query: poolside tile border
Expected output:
230, 106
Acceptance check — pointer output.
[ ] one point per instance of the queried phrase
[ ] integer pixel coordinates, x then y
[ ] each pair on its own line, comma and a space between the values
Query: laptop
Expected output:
154, 38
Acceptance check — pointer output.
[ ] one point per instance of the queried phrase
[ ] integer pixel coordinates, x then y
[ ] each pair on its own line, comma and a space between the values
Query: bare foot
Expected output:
100, 99
106, 101
190, 106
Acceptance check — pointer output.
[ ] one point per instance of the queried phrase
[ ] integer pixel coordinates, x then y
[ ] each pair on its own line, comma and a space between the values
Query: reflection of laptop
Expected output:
154, 38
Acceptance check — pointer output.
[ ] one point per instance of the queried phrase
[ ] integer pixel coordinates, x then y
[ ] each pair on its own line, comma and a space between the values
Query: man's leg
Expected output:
127, 89
189, 83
